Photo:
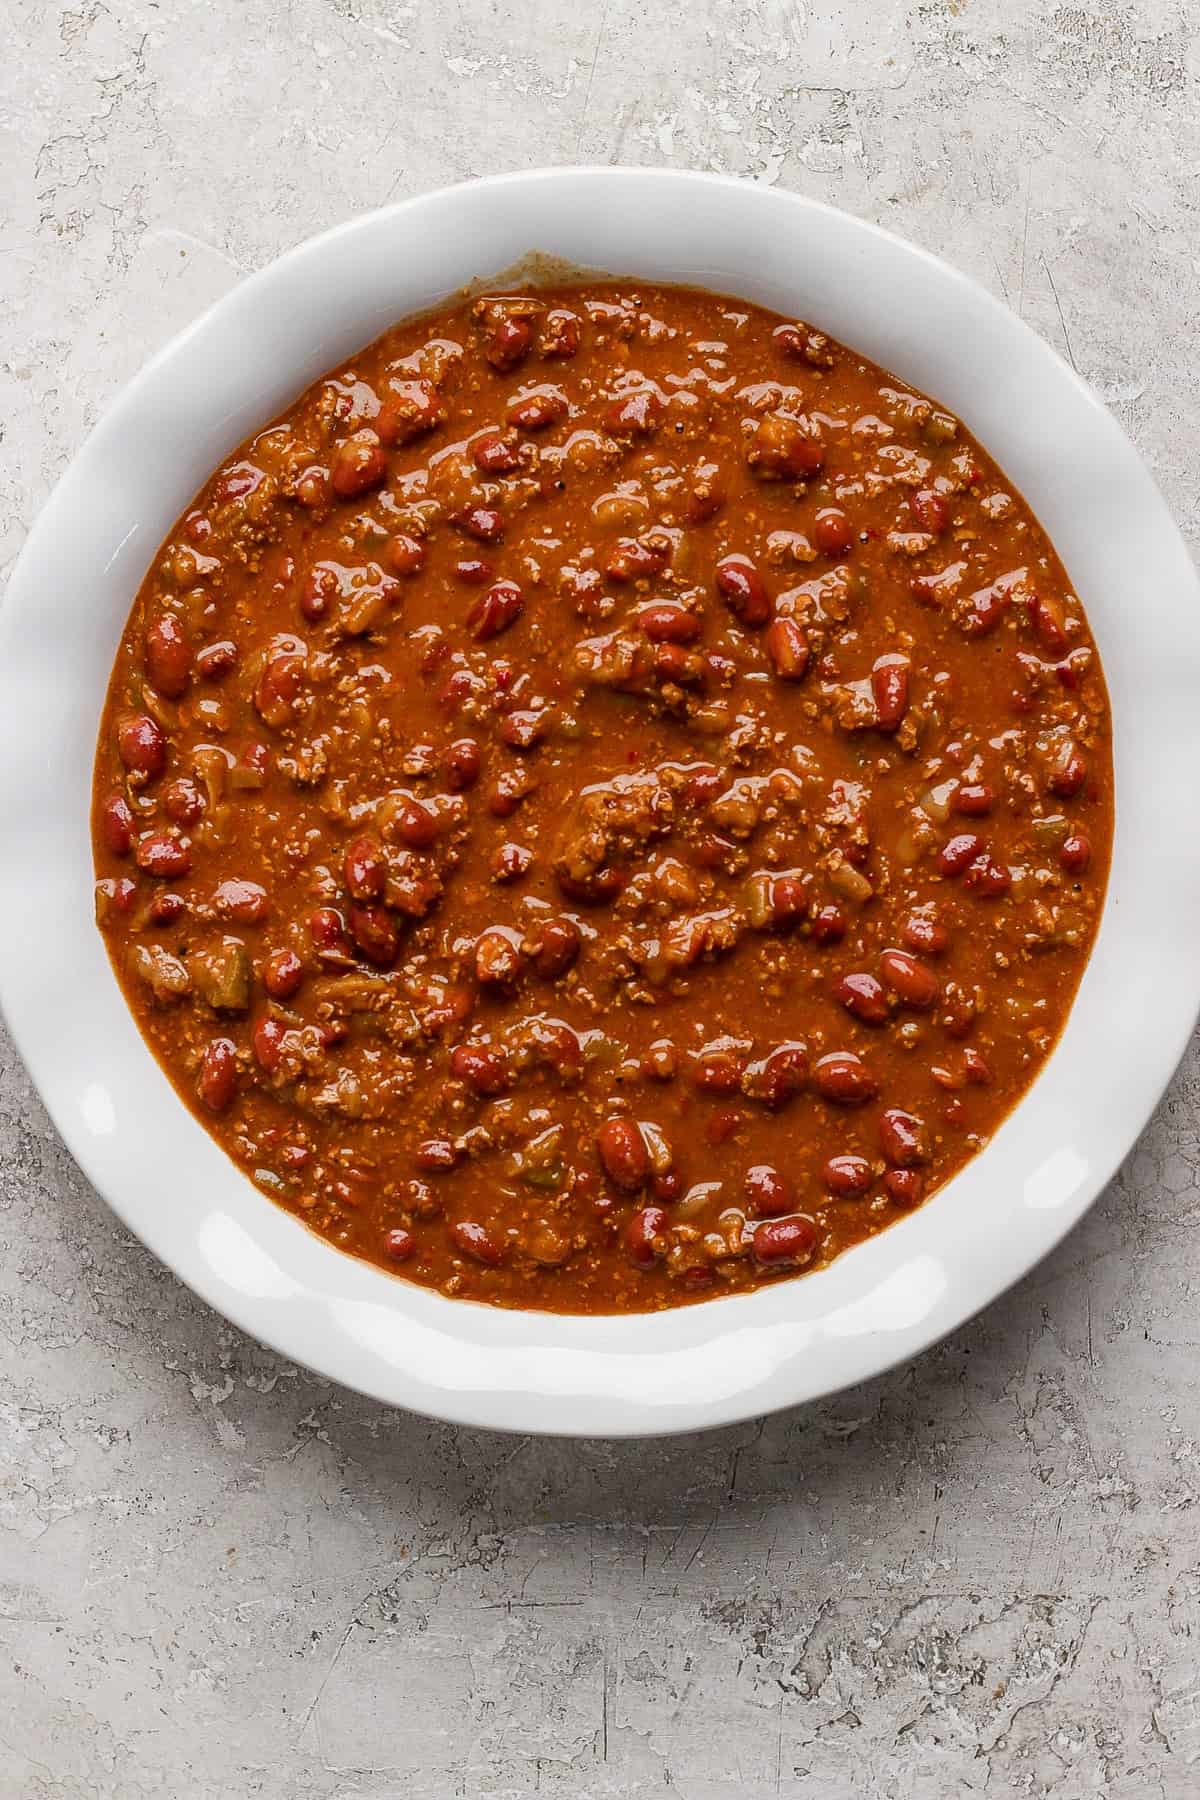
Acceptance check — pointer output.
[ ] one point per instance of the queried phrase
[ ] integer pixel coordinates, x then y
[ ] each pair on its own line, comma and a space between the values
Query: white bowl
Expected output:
729, 1358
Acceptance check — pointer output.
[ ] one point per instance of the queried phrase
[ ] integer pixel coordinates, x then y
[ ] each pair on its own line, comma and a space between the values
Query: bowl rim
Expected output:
713, 1362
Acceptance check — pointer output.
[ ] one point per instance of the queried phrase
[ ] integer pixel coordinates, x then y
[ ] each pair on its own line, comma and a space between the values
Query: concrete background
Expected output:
220, 1577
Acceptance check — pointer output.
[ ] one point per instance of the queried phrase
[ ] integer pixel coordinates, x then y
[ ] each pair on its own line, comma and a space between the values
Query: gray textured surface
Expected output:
220, 1577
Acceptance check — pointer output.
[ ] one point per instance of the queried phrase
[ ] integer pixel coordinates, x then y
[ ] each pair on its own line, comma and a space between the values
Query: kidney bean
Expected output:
716, 1071
721, 1125
1075, 853
282, 974
635, 415
931, 510
508, 341
240, 902
168, 656
829, 925
667, 1186
357, 466
1068, 772
673, 663
319, 592
405, 554
326, 928
904, 1186
785, 1243
164, 856
667, 624
236, 483
779, 1076
959, 852
844, 1079
252, 767
921, 932
496, 610
116, 825
525, 728
411, 409
914, 981
511, 862
456, 1003
706, 495
646, 1238
788, 899
553, 946
975, 1068
218, 1074
862, 995
478, 1242
166, 907
768, 1193
661, 1061
498, 960
988, 878
783, 448
776, 901
482, 522
742, 587
635, 559
787, 647
312, 488
983, 610
889, 686
1050, 623
267, 1039
414, 823
847, 1176
496, 452
623, 1153
215, 660
507, 794
434, 1154
364, 869
280, 569
461, 764
832, 532
398, 1244
113, 897
481, 1068
278, 688
375, 933
702, 786
537, 409
142, 746
958, 1020
182, 801
903, 1138
974, 799
474, 572
802, 344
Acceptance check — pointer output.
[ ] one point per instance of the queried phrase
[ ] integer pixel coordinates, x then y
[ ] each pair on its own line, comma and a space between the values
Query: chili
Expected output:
605, 802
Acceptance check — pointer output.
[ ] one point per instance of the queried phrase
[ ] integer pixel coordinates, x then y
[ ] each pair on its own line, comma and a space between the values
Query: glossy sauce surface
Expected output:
607, 802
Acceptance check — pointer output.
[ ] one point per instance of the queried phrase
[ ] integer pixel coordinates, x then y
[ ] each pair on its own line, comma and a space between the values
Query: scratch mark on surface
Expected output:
1025, 238
1071, 358
1091, 1352
604, 1712
704, 1537
587, 92
316, 1699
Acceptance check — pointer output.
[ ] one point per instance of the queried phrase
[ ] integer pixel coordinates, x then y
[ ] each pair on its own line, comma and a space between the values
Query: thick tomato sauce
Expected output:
605, 802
